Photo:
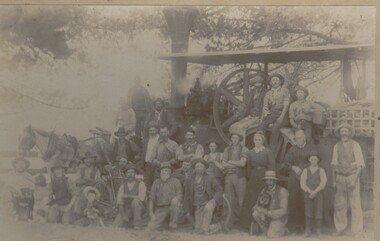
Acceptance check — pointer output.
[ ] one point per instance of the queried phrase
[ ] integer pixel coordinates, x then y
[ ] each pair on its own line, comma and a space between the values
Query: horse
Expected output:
64, 148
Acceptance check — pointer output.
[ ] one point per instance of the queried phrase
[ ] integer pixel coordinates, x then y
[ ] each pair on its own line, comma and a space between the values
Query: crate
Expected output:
362, 119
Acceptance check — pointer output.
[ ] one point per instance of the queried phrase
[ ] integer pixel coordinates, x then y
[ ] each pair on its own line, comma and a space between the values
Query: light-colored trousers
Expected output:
203, 216
57, 212
273, 228
345, 196
134, 211
161, 213
234, 188
243, 125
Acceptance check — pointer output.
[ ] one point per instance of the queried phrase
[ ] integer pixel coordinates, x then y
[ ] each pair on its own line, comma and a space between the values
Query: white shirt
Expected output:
151, 148
358, 154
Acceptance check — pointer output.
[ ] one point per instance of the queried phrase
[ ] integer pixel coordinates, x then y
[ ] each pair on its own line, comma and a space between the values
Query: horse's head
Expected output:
27, 139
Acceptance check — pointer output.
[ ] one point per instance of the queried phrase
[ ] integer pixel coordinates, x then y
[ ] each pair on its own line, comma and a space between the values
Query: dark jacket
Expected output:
131, 151
213, 190
165, 119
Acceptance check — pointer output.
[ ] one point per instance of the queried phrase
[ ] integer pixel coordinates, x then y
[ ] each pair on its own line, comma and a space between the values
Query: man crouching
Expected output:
202, 193
165, 199
130, 198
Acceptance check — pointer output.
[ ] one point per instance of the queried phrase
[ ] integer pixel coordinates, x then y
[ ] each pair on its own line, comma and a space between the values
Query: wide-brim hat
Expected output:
212, 140
131, 166
195, 161
153, 124
88, 155
17, 159
90, 188
282, 79
121, 130
165, 165
258, 78
237, 134
270, 175
344, 125
58, 165
301, 88
315, 153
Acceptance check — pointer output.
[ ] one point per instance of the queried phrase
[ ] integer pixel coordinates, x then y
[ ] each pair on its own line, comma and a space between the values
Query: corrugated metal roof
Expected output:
279, 55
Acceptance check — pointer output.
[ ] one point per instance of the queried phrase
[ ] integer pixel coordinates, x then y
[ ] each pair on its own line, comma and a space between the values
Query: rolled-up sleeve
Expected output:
358, 154
283, 210
119, 197
142, 192
334, 161
199, 152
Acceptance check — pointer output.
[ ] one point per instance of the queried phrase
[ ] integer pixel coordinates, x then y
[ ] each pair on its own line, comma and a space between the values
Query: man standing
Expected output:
234, 162
190, 150
126, 117
161, 115
271, 220
123, 147
63, 195
165, 199
166, 150
255, 107
150, 153
130, 199
347, 163
275, 108
202, 194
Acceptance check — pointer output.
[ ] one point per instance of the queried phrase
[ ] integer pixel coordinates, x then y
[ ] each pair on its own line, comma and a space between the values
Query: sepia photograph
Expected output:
188, 123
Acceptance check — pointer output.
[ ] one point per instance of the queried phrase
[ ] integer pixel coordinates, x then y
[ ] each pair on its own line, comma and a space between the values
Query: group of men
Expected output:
179, 182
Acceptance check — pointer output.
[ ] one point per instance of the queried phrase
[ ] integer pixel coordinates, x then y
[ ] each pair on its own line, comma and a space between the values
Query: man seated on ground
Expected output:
255, 108
202, 194
301, 112
165, 199
275, 108
190, 150
131, 199
18, 179
62, 197
87, 175
271, 220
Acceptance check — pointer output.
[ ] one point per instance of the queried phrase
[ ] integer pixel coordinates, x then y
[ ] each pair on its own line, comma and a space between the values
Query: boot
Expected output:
318, 230
307, 232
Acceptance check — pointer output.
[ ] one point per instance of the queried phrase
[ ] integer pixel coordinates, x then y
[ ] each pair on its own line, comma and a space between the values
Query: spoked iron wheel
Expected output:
232, 94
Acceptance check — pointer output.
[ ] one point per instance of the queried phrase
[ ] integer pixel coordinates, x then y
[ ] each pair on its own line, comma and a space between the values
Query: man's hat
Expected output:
199, 160
131, 166
90, 188
213, 140
237, 134
58, 164
314, 153
282, 79
121, 130
190, 130
258, 79
153, 124
301, 88
40, 180
88, 155
344, 125
122, 159
270, 175
17, 159
165, 165
159, 100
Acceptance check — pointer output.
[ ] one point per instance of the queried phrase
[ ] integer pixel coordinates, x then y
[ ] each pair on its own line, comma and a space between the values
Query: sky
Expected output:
98, 75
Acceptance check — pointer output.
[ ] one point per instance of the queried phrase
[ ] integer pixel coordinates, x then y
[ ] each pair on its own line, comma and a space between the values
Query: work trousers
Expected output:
273, 228
345, 196
59, 213
235, 190
314, 207
203, 216
243, 125
271, 118
134, 211
162, 213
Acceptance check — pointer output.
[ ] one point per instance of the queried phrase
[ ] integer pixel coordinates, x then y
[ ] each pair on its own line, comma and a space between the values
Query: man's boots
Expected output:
307, 232
318, 230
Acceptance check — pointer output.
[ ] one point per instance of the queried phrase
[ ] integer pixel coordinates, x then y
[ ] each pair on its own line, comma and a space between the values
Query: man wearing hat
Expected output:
234, 163
150, 152
161, 115
131, 199
87, 175
62, 196
275, 108
301, 112
347, 163
255, 107
165, 199
92, 210
271, 220
123, 147
191, 149
18, 179
202, 194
